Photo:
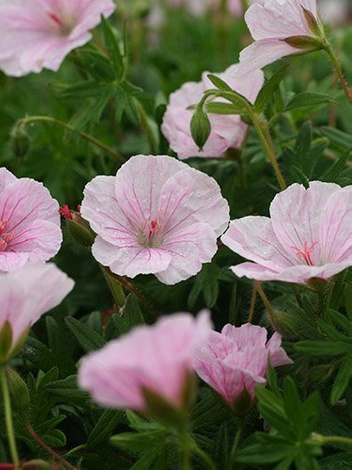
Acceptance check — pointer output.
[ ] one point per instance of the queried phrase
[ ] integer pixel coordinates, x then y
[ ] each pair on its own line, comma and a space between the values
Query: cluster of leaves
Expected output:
115, 89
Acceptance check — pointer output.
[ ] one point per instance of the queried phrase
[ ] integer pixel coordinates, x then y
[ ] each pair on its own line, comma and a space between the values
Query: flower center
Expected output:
305, 253
65, 27
150, 235
5, 237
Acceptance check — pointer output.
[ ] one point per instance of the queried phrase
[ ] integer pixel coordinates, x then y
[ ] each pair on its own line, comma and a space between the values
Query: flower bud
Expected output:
200, 127
80, 230
20, 141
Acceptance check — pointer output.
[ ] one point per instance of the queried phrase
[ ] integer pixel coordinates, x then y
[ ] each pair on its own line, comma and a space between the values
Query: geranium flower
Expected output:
29, 222
157, 215
280, 28
25, 295
235, 361
227, 131
37, 34
156, 358
308, 235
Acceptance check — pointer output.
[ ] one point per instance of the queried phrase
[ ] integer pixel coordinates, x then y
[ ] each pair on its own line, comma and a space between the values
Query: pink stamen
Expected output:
305, 254
5, 238
65, 211
56, 19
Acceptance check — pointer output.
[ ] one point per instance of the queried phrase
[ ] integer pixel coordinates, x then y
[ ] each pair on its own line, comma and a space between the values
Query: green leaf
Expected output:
338, 137
113, 47
307, 99
137, 442
336, 169
223, 108
322, 348
342, 379
86, 337
104, 427
265, 95
340, 461
67, 388
219, 83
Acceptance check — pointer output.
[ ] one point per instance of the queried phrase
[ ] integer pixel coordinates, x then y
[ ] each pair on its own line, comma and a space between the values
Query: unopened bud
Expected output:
285, 323
80, 230
200, 127
20, 140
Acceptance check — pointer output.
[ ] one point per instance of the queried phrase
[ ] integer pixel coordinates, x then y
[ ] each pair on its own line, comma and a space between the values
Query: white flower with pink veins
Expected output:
156, 216
37, 34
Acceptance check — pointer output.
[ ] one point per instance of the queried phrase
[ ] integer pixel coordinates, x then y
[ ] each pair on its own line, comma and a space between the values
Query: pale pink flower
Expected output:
29, 222
237, 359
156, 358
308, 235
157, 215
38, 34
27, 293
227, 131
271, 23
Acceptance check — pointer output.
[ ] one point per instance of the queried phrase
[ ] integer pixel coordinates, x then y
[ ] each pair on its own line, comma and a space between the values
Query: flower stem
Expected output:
266, 141
84, 135
318, 439
266, 303
235, 443
8, 419
48, 449
147, 128
253, 301
189, 446
330, 51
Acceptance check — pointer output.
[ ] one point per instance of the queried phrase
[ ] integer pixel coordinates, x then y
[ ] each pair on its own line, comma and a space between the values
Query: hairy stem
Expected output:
8, 419
266, 303
330, 51
84, 135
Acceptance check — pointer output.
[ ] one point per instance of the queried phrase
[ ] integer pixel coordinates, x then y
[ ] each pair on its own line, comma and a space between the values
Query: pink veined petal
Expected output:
140, 198
6, 178
255, 271
41, 240
295, 215
25, 201
335, 235
253, 237
245, 335
23, 302
278, 356
264, 52
190, 196
277, 19
188, 249
130, 261
103, 212
12, 260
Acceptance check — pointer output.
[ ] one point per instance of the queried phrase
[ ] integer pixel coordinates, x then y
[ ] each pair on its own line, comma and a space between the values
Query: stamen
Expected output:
305, 254
5, 238
56, 19
150, 234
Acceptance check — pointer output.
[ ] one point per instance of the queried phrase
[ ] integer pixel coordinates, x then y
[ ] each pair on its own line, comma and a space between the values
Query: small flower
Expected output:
37, 34
156, 359
227, 131
308, 235
29, 222
157, 215
235, 361
25, 295
280, 28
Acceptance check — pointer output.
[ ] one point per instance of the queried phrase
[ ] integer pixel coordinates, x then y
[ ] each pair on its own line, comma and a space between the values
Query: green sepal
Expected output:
18, 391
306, 43
242, 403
5, 343
80, 230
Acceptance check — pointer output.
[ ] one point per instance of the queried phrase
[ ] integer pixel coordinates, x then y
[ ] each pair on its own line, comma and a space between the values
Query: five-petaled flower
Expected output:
157, 359
29, 222
25, 295
37, 34
308, 235
227, 131
280, 28
157, 215
234, 362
